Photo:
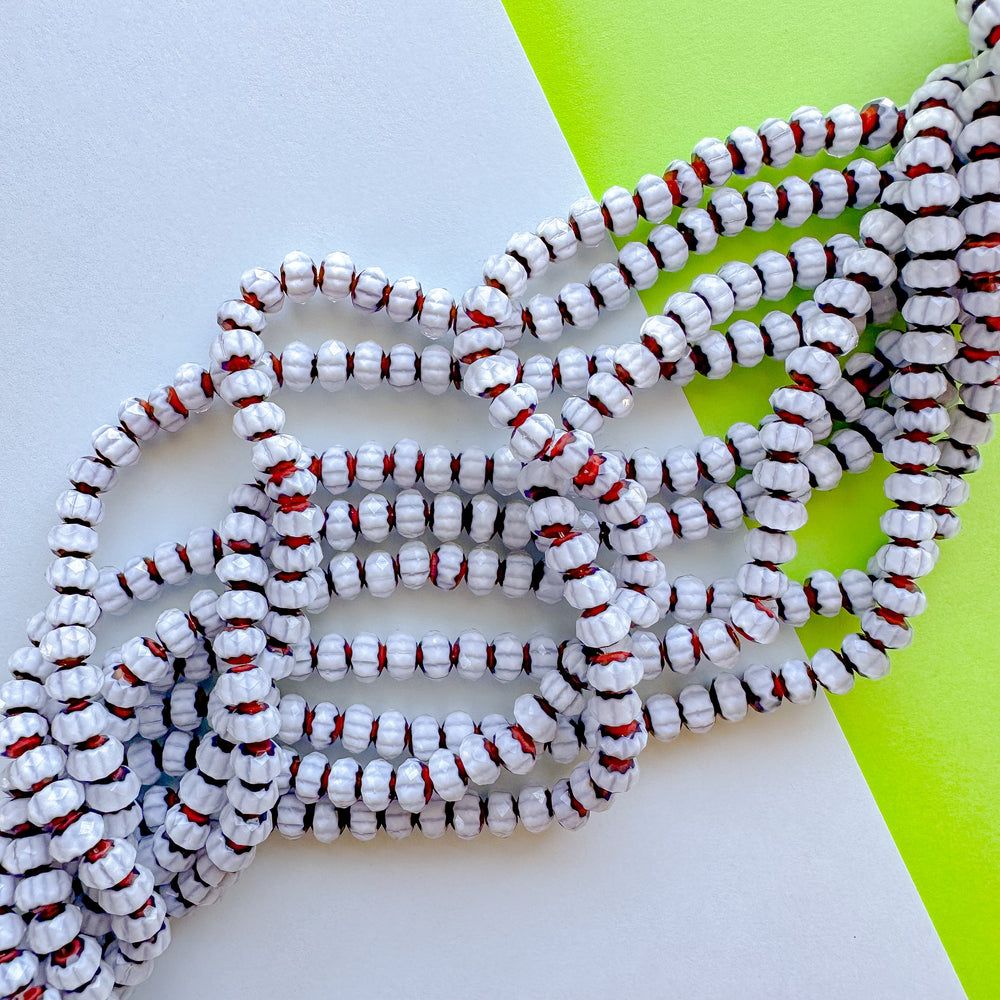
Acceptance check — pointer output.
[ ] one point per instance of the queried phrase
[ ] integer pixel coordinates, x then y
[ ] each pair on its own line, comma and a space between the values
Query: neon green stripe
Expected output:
635, 85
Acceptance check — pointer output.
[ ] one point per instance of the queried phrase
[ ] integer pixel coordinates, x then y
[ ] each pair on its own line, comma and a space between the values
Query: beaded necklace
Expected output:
140, 788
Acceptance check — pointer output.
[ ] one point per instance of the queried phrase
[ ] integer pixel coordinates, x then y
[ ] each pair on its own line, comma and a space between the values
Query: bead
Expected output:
298, 276
261, 289
831, 672
654, 198
844, 130
696, 708
712, 162
728, 210
587, 221
810, 129
798, 198
718, 643
578, 306
368, 364
404, 296
619, 210
697, 228
762, 204
746, 150
506, 273
728, 694
778, 141
369, 289
669, 248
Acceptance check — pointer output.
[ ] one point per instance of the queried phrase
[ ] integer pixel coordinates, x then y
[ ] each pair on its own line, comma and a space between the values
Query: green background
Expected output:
635, 85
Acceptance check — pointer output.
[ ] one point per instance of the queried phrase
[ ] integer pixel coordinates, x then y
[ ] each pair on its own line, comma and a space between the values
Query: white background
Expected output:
148, 158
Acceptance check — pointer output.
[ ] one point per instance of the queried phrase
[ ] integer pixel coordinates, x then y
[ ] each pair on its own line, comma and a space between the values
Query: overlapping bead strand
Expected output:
139, 786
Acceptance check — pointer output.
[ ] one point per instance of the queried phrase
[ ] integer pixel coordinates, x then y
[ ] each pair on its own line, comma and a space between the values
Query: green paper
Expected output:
636, 85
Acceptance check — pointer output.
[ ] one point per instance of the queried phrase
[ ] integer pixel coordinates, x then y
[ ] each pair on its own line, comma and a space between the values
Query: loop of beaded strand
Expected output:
81, 802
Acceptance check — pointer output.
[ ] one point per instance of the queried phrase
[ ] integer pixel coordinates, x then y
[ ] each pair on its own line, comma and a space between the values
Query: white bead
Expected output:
435, 369
515, 756
342, 782
472, 655
698, 228
380, 574
401, 305
262, 289
864, 658
799, 200
587, 220
615, 674
696, 708
609, 286
578, 306
336, 273
506, 273
375, 781
655, 201
345, 575
477, 760
845, 122
669, 248
718, 643
113, 445
762, 205
868, 181
510, 407
780, 142
298, 276
369, 289
748, 148
486, 374
604, 628
729, 211
533, 809
445, 775
368, 364
609, 394
530, 438
716, 159
729, 695
620, 210
831, 672
436, 313
501, 817
531, 252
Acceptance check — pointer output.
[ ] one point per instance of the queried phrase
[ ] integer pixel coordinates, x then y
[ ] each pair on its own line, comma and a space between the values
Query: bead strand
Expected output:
75, 805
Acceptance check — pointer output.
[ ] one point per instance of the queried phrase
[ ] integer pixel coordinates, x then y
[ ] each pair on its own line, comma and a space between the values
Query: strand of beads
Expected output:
156, 657
528, 256
912, 363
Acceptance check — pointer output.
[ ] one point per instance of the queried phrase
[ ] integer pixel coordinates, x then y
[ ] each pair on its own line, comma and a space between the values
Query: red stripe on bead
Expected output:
527, 744
67, 953
22, 746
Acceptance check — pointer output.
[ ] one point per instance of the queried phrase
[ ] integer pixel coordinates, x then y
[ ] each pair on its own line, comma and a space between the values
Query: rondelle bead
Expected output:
697, 227
261, 289
719, 643
831, 671
586, 220
669, 248
778, 141
763, 205
298, 276
712, 162
655, 201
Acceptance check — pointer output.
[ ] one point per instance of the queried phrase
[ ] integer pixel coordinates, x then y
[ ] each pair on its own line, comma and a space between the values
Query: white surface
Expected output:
148, 158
